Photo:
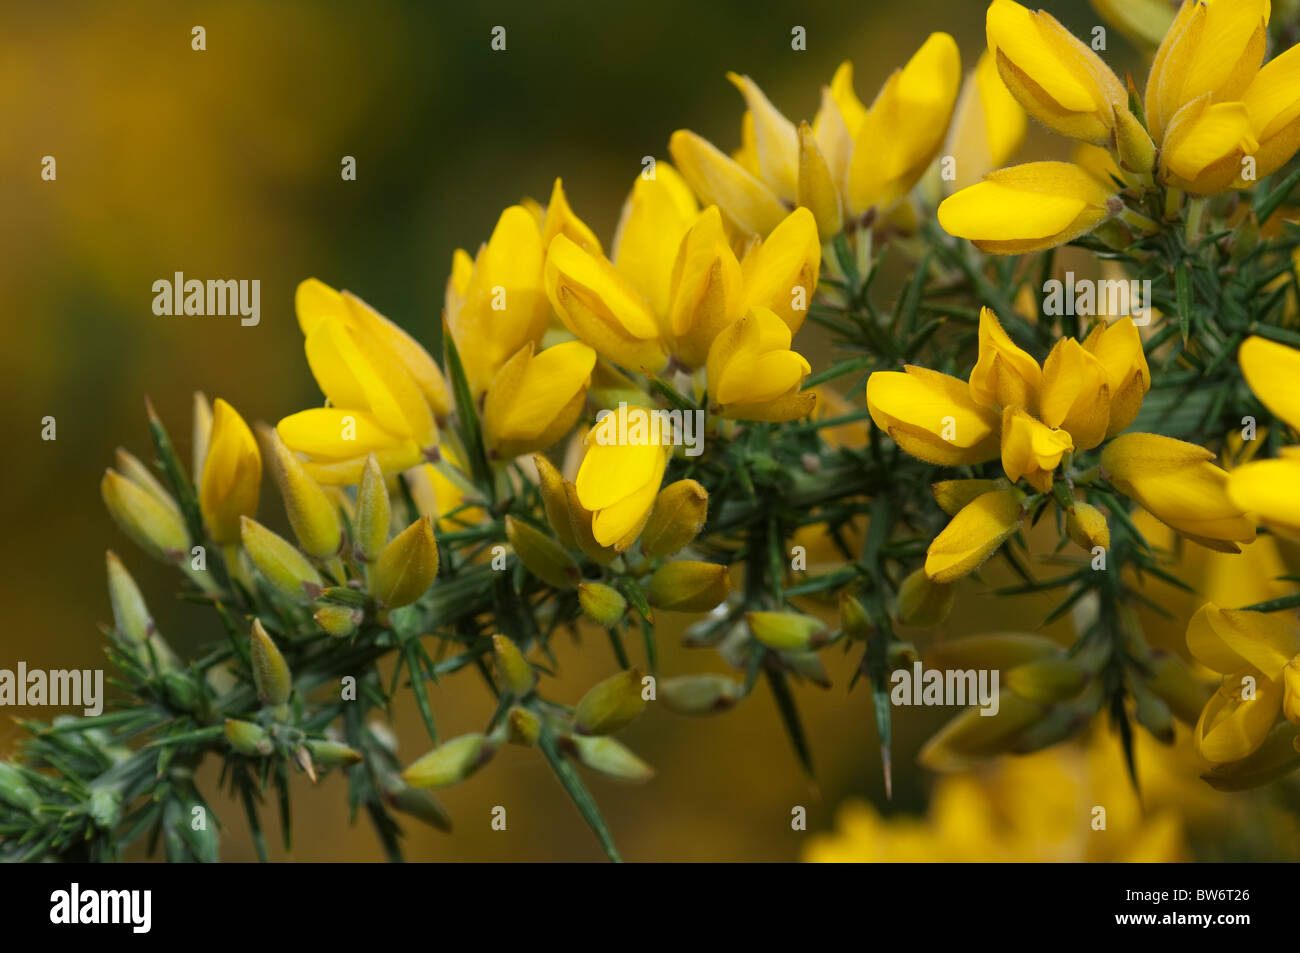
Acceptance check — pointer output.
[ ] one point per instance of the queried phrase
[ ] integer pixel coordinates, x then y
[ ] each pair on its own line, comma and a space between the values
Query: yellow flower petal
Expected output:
932, 416
1273, 372
719, 180
973, 535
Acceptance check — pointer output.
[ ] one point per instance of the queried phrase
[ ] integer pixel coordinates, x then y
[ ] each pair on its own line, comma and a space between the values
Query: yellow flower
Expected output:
1204, 146
1274, 110
675, 282
1060, 81
1180, 486
1257, 654
496, 302
383, 397
618, 482
1266, 488
973, 535
601, 307
988, 125
315, 301
1004, 376
753, 374
1029, 207
535, 399
850, 162
232, 475
932, 416
1031, 449
1076, 393
1118, 347
1213, 49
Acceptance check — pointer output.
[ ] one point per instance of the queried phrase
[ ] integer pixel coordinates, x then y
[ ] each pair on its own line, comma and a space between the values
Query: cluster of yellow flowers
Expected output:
1212, 120
712, 270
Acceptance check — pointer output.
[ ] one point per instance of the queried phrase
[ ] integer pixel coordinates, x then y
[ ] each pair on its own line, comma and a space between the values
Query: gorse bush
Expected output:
623, 431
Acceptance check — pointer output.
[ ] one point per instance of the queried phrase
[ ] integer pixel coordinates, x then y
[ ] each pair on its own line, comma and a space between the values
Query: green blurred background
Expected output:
225, 163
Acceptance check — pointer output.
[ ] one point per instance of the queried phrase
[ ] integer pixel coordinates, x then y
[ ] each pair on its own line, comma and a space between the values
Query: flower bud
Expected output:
130, 615
201, 430
971, 736
603, 604
232, 475
332, 754
154, 527
280, 563
610, 704
248, 738
312, 514
854, 621
923, 602
1046, 680
676, 518
407, 566
519, 677
1153, 713
338, 621
135, 471
685, 586
542, 556
181, 690
370, 530
611, 758
787, 631
523, 727
416, 802
555, 500
1086, 525
270, 671
699, 694
451, 762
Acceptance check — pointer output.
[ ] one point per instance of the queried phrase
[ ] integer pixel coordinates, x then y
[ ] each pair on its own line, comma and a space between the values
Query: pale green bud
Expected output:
130, 614
676, 519
699, 694
603, 604
248, 738
787, 631
542, 556
151, 525
270, 671
279, 561
610, 704
407, 566
312, 514
523, 727
922, 602
686, 586
450, 762
332, 754
519, 677
338, 621
373, 513
611, 758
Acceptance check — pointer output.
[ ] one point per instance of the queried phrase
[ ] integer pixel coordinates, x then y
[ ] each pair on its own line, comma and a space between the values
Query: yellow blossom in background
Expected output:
1035, 808
1268, 488
852, 163
1259, 656
232, 474
988, 125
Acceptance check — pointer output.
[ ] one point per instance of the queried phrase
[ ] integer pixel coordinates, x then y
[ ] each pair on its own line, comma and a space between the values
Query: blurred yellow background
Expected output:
225, 163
